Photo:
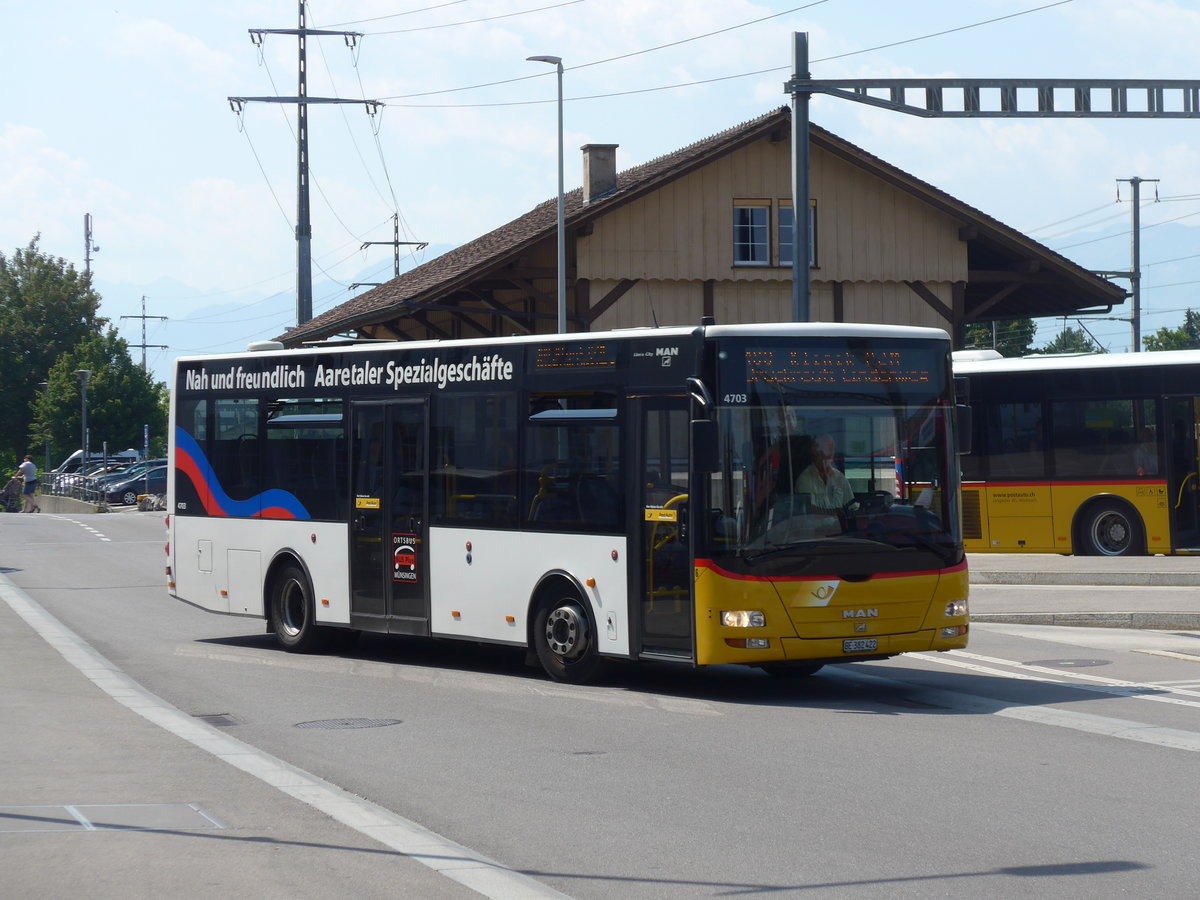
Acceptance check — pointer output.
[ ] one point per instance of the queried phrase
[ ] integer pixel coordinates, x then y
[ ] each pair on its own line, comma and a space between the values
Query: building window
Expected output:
786, 221
751, 235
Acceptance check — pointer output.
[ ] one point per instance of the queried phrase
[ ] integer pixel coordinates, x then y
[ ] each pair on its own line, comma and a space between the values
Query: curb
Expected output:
1134, 579
1184, 621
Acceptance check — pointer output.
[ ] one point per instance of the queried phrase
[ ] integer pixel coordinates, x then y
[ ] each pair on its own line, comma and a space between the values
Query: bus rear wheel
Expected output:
1111, 529
293, 615
565, 640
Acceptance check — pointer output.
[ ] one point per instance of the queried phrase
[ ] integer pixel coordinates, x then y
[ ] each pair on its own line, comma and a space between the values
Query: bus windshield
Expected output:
860, 474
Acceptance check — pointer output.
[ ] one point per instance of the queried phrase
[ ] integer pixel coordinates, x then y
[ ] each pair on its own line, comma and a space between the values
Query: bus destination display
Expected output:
575, 357
832, 367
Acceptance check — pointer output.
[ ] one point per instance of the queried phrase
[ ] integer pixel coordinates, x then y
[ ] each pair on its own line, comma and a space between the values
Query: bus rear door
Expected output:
389, 578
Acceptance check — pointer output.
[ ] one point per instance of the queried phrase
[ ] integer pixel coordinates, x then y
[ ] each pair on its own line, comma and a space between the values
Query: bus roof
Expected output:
1079, 362
765, 329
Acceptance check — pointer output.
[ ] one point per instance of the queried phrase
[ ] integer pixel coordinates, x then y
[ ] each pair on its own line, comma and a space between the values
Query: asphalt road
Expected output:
1052, 761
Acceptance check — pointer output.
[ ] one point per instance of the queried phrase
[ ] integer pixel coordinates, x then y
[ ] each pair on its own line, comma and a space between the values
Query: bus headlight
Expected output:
956, 608
743, 618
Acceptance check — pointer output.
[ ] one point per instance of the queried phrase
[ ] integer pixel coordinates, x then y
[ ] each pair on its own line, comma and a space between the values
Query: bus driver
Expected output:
829, 491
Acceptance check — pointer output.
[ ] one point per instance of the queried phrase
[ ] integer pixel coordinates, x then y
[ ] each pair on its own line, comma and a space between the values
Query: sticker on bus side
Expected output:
404, 558
662, 515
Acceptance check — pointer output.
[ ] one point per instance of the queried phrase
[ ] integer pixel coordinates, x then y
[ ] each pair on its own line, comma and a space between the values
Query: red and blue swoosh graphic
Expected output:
272, 504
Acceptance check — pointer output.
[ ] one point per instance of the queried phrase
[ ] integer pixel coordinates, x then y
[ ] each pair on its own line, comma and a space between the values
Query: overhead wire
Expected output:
701, 81
511, 15
609, 59
407, 12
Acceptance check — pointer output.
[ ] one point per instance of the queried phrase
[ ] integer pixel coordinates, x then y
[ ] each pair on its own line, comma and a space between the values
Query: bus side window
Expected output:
572, 447
473, 462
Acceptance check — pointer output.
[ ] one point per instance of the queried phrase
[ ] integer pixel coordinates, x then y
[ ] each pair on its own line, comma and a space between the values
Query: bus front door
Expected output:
389, 578
1183, 471
665, 618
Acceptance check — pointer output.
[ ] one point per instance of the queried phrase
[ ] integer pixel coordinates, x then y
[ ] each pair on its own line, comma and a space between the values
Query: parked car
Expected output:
128, 489
75, 461
104, 479
80, 479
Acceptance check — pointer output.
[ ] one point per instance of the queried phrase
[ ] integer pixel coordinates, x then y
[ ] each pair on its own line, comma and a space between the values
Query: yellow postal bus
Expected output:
1091, 454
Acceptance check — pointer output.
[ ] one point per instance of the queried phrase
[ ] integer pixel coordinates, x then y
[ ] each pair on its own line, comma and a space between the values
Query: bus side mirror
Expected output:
963, 428
704, 445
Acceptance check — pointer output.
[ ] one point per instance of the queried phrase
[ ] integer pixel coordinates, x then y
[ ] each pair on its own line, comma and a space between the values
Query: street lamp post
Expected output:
562, 241
84, 375
45, 386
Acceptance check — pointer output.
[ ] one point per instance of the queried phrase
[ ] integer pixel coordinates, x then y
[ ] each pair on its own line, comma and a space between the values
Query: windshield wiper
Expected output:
818, 542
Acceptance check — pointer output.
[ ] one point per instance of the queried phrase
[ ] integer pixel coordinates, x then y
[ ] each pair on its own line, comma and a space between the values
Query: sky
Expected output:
118, 109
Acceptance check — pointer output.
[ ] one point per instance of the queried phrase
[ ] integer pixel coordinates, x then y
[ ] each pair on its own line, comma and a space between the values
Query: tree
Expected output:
121, 399
1185, 337
46, 308
1073, 340
1011, 337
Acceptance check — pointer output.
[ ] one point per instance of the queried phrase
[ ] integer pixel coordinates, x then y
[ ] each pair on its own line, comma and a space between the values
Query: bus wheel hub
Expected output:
566, 631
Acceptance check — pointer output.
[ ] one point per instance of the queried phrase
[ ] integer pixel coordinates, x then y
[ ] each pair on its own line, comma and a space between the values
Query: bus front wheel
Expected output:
293, 616
1111, 529
565, 640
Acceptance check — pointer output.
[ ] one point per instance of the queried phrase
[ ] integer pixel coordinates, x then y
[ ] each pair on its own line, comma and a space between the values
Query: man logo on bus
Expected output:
666, 354
404, 562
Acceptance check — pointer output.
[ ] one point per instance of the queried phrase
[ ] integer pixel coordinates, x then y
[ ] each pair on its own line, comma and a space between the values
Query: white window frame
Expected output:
784, 233
753, 246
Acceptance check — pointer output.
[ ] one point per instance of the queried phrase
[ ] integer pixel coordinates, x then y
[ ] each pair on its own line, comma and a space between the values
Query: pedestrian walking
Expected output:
27, 472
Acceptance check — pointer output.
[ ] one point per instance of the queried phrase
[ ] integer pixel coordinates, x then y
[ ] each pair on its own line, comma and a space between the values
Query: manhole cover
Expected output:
341, 724
1068, 663
218, 720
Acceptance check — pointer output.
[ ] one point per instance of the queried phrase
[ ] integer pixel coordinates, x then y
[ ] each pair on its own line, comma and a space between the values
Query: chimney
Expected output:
599, 170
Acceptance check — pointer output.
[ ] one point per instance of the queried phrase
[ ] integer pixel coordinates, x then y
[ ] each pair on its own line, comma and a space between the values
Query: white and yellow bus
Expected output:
1088, 454
625, 495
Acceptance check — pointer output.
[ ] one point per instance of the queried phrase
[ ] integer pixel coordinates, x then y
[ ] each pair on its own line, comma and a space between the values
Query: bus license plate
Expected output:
861, 645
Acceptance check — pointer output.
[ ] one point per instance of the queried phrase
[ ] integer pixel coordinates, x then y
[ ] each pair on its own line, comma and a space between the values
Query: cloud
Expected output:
42, 188
171, 52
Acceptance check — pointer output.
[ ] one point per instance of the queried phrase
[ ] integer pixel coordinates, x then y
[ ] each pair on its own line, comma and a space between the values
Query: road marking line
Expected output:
1105, 726
99, 534
1114, 688
1075, 673
453, 860
1190, 657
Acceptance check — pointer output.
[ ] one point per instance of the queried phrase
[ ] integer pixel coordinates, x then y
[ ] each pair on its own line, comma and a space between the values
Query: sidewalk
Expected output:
1091, 591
